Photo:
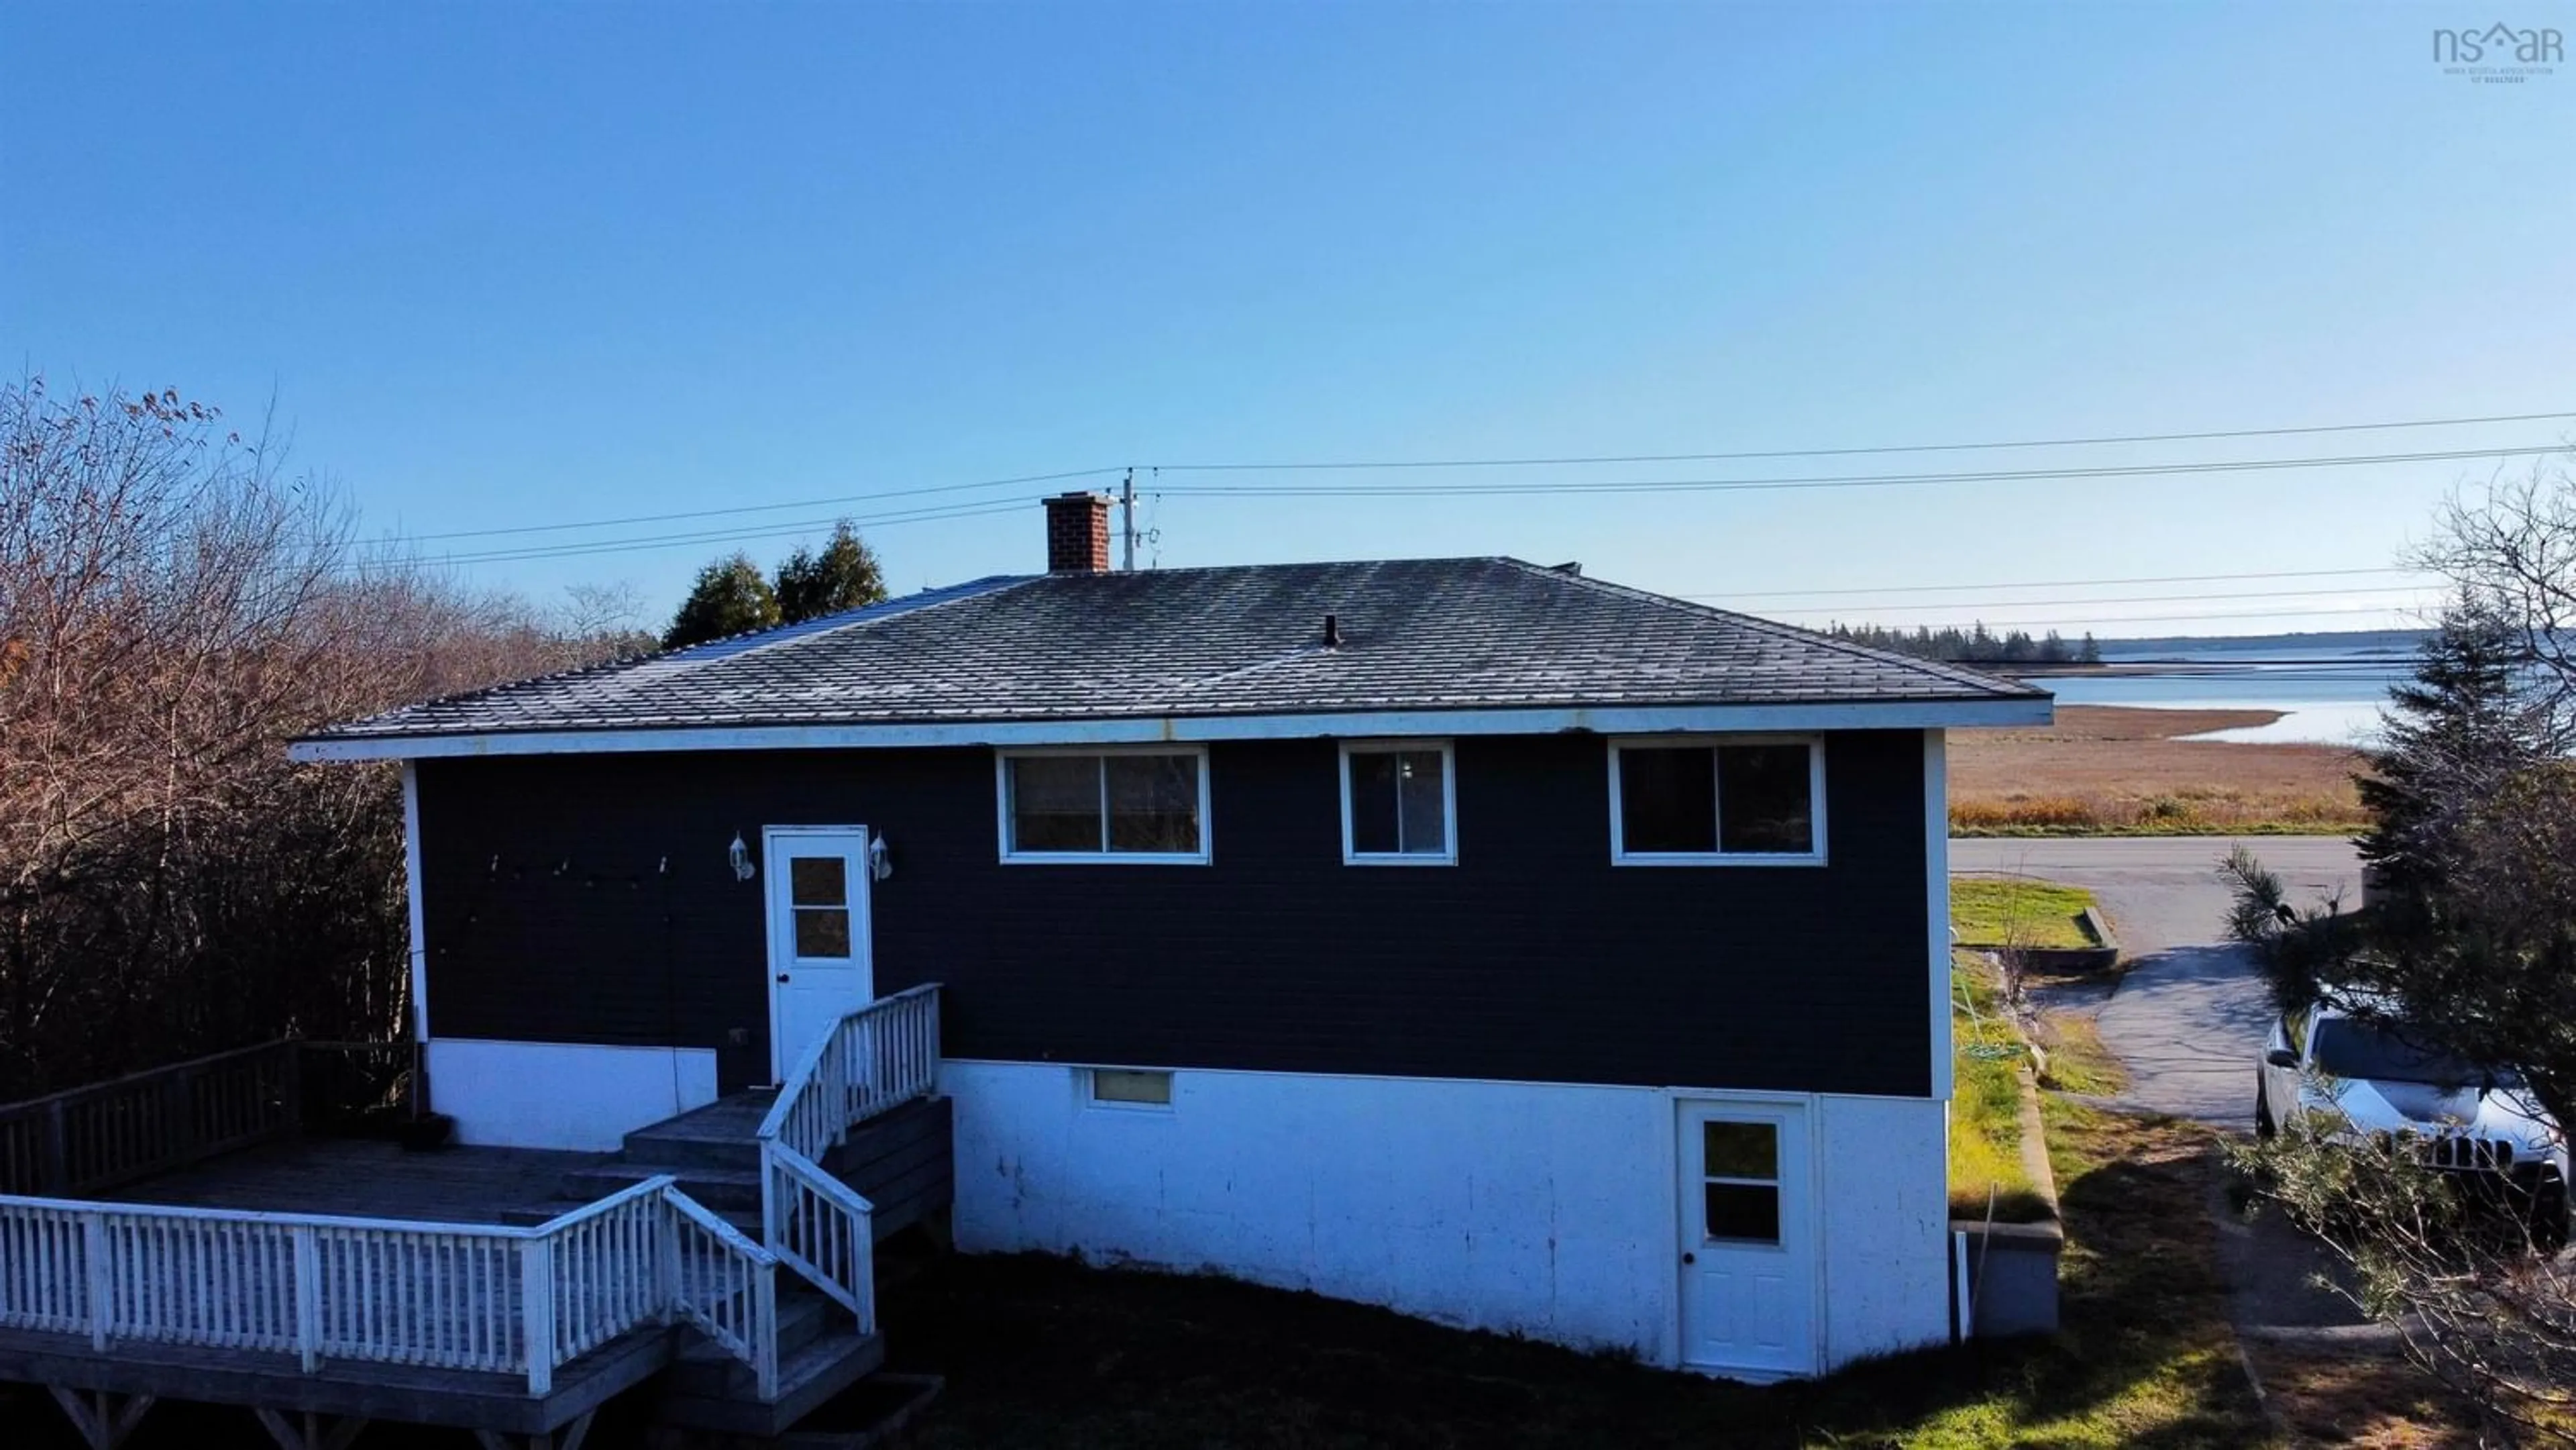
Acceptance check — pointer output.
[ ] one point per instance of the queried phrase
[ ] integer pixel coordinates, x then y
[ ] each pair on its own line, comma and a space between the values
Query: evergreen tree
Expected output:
2454, 734
729, 597
845, 575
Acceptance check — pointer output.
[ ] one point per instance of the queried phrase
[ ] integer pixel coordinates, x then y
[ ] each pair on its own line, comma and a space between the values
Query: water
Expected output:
2328, 695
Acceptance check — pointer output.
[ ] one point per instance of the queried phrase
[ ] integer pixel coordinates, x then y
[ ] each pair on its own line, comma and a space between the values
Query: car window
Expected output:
2294, 1027
2351, 1047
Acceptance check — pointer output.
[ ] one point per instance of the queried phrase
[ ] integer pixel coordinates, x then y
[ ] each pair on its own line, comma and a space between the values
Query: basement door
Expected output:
1748, 1239
818, 934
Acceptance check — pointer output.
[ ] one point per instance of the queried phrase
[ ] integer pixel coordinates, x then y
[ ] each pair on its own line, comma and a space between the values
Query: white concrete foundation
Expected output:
563, 1095
1537, 1209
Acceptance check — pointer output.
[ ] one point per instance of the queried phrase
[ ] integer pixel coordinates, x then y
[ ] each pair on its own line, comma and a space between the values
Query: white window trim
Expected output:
1448, 805
1093, 1101
1002, 811
1621, 856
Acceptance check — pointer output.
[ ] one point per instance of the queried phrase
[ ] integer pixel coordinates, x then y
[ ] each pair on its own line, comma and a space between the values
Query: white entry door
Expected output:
818, 934
1748, 1239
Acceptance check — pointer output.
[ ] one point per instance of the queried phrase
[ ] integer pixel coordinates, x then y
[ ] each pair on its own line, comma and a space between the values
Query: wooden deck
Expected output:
219, 1257
359, 1178
351, 1391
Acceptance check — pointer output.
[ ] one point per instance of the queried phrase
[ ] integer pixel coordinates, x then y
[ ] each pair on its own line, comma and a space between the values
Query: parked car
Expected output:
2356, 1076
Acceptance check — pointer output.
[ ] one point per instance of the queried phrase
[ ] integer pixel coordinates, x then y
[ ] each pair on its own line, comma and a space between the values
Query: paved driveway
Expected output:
2190, 1015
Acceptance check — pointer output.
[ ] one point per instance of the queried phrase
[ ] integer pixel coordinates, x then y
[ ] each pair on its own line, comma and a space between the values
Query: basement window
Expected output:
1399, 804
1701, 802
1125, 1087
1126, 806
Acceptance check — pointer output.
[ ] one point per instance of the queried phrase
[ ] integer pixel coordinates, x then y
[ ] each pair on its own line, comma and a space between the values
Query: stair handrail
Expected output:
740, 1316
822, 1098
820, 1227
874, 1058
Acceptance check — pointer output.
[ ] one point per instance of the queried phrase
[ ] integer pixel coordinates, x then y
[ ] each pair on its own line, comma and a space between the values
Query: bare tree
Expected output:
2509, 549
2479, 1298
174, 608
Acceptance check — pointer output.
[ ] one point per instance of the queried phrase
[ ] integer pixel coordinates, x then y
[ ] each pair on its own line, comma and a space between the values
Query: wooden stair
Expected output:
820, 1354
900, 1161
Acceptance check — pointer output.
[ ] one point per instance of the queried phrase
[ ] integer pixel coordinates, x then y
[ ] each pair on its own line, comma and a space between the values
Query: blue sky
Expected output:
506, 265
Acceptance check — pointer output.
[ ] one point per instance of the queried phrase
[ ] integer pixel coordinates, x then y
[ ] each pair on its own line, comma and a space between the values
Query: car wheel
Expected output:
2264, 1127
2549, 1217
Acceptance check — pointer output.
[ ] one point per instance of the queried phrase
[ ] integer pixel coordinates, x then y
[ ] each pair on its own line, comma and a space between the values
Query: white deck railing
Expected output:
821, 1228
727, 1286
114, 1131
438, 1295
878, 1057
96, 1137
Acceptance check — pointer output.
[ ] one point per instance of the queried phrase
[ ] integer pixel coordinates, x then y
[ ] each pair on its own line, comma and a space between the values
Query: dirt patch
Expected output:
2104, 768
1044, 1352
2360, 1397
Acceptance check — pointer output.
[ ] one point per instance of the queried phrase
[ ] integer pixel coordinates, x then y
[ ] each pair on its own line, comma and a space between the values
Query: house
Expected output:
1470, 937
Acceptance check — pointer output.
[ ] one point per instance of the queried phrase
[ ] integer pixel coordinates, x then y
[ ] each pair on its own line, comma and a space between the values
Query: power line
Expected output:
2117, 599
1878, 480
2058, 583
2092, 620
1077, 473
762, 507
664, 541
1880, 448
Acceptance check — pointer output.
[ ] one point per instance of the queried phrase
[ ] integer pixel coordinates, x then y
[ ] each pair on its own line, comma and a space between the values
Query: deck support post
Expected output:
315, 1433
58, 1153
308, 1296
537, 1310
568, 1438
102, 1279
104, 1419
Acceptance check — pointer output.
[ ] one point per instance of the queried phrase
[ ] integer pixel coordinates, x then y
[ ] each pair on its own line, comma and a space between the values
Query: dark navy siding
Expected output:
587, 898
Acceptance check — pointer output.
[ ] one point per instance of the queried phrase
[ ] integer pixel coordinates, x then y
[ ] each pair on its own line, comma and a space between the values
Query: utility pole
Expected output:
1127, 519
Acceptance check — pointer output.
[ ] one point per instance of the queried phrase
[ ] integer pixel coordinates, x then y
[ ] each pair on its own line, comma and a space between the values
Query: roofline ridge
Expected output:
629, 663
822, 624
1943, 668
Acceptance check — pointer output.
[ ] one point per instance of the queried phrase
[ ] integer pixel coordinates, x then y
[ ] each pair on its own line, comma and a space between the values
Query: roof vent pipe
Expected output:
1332, 631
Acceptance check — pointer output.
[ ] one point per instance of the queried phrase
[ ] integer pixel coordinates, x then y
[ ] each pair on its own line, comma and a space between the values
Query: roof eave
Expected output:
1935, 713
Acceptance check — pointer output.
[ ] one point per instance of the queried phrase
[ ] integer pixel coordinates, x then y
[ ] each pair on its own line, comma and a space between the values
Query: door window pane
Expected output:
1765, 802
822, 931
1668, 799
1153, 802
817, 881
1744, 1211
1055, 803
1739, 1150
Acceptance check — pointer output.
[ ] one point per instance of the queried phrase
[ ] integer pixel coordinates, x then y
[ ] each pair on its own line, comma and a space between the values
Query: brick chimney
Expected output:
1078, 533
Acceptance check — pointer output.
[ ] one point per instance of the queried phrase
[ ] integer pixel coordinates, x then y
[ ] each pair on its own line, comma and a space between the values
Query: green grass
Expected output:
1985, 1106
1040, 1351
2078, 1060
1996, 911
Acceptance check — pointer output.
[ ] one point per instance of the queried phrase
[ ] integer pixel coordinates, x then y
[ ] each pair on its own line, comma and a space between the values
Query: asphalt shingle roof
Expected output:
1446, 634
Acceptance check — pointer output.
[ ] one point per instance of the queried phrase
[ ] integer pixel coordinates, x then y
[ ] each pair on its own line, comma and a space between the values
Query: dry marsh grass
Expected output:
2110, 770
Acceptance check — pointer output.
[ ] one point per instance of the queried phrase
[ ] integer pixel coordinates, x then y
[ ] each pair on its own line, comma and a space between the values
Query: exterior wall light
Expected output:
741, 854
880, 865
